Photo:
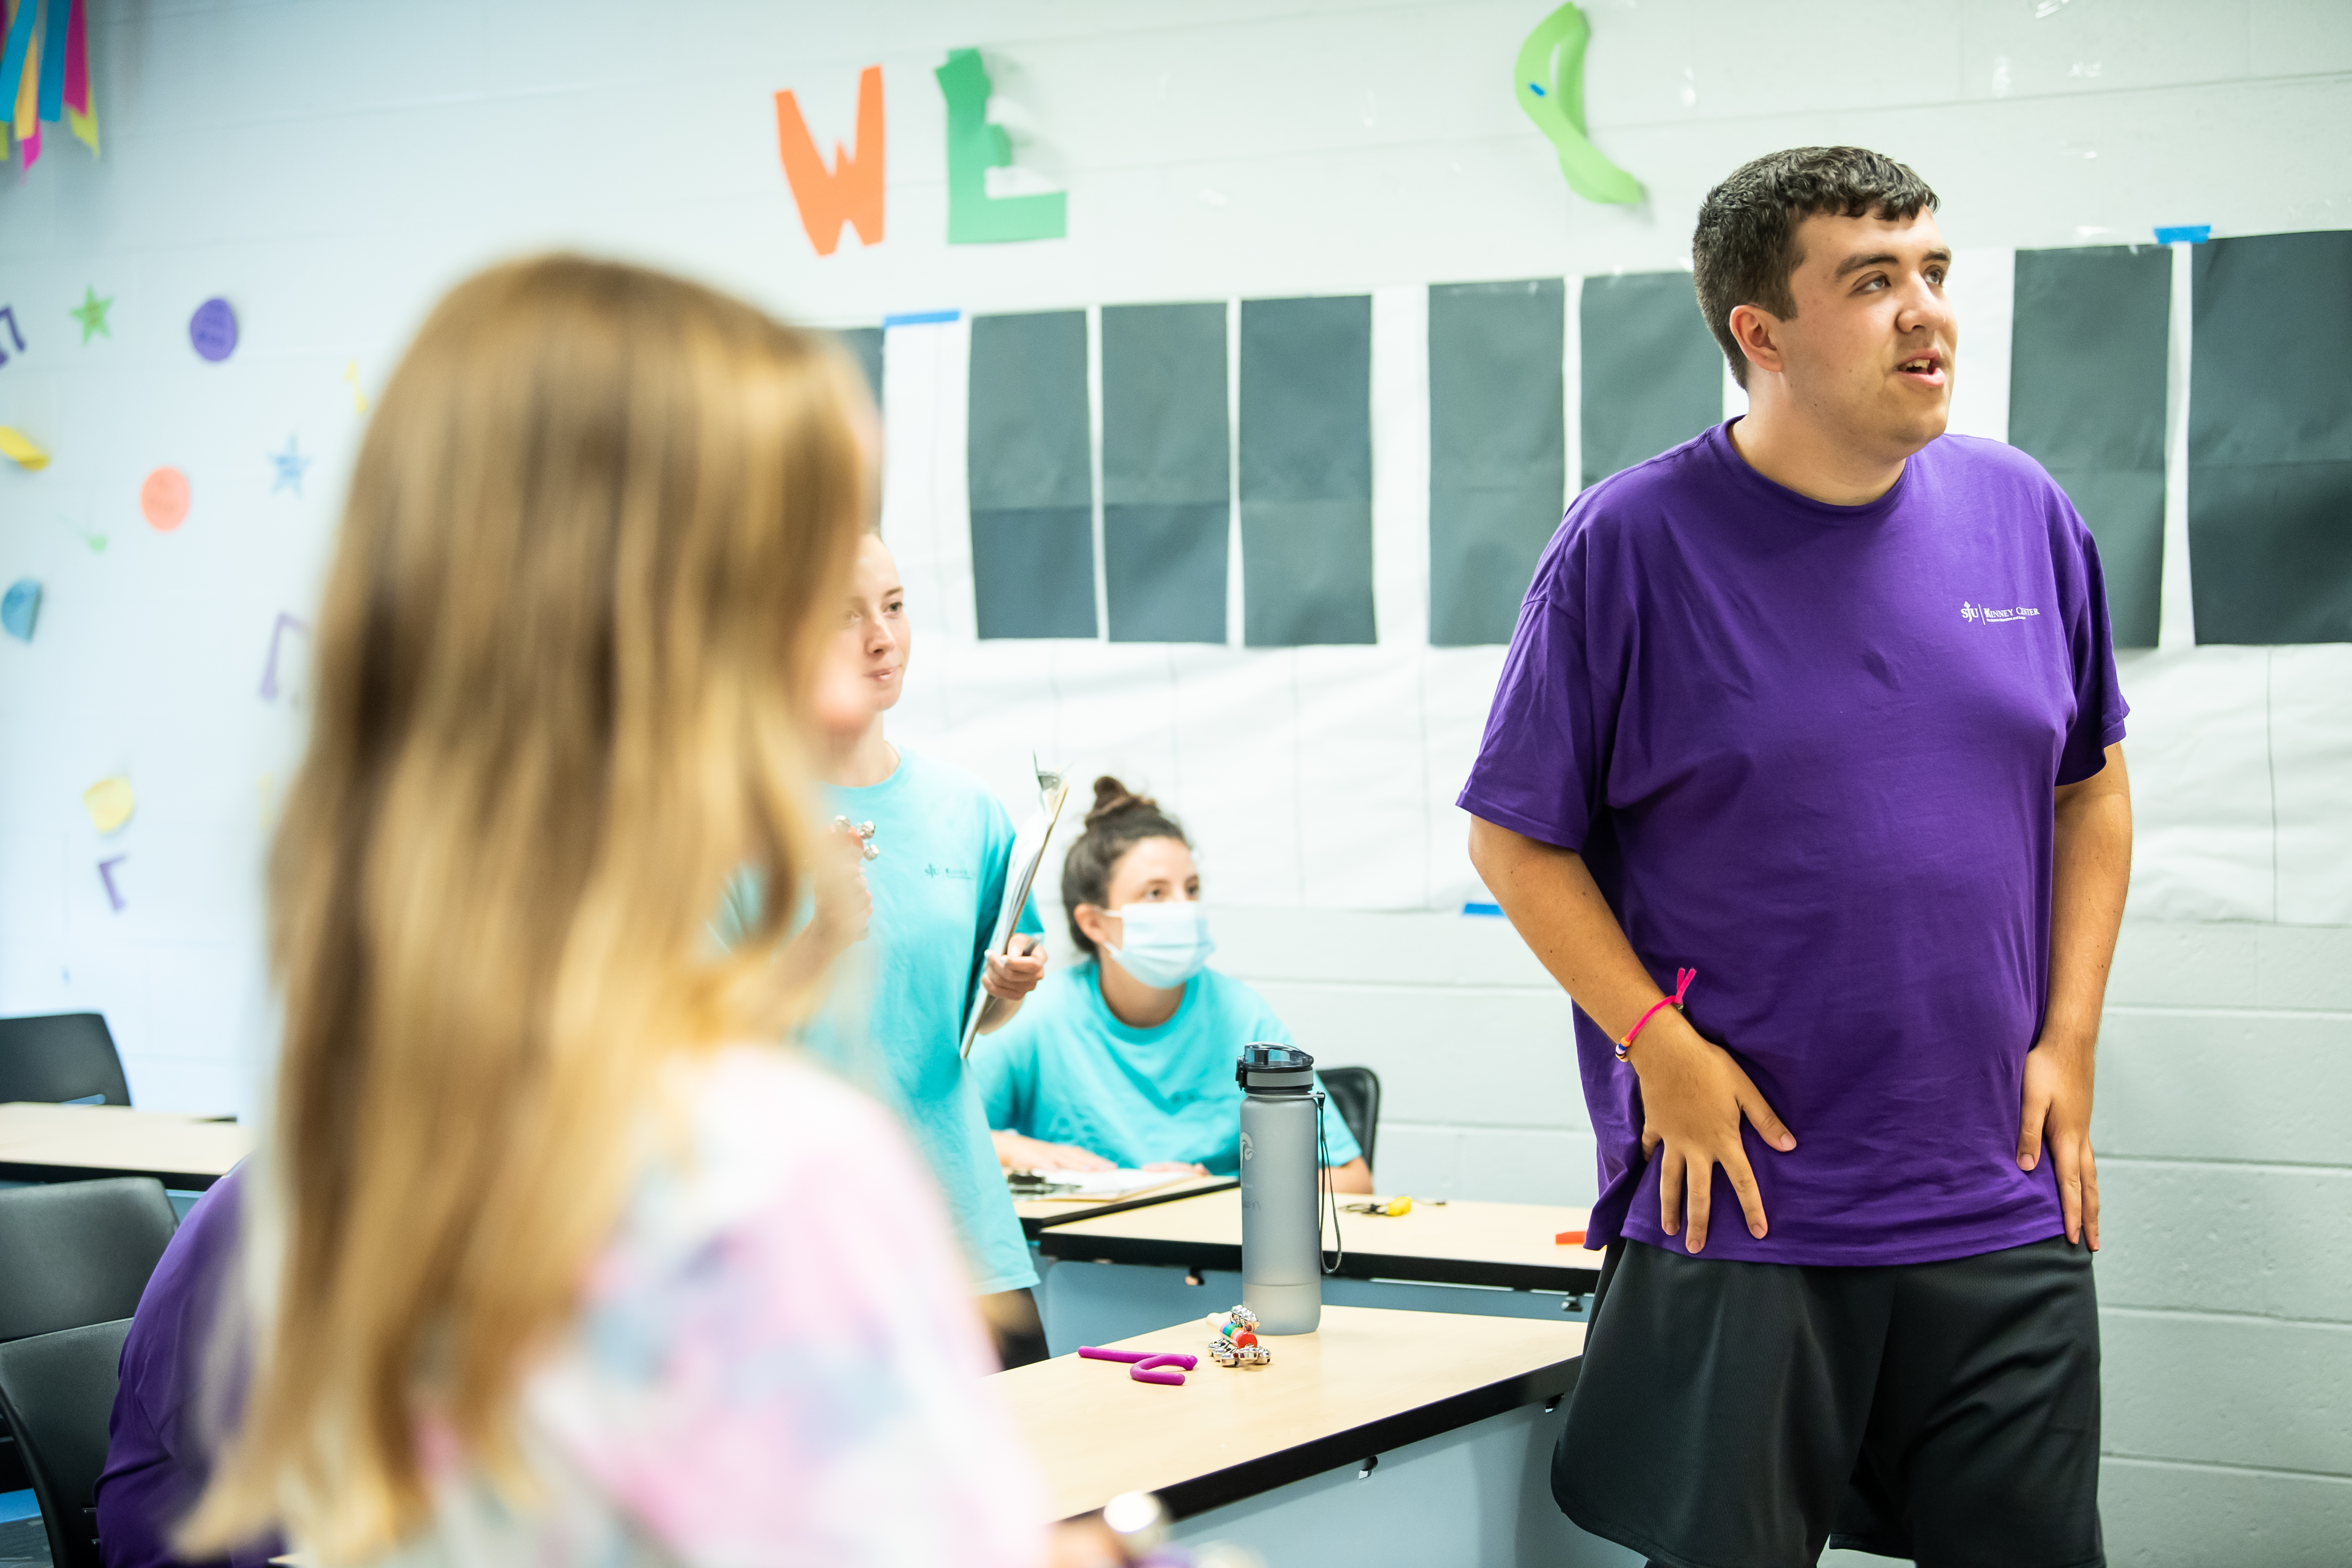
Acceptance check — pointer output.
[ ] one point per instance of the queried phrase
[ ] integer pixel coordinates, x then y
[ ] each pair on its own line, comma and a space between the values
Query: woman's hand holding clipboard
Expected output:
1009, 973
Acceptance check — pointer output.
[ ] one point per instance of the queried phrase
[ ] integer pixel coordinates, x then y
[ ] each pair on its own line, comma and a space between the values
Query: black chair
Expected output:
78, 1252
72, 1254
61, 1058
1356, 1095
57, 1392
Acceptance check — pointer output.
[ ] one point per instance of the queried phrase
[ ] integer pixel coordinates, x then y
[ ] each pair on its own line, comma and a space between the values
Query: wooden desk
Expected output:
1463, 1243
1369, 1381
80, 1142
1037, 1214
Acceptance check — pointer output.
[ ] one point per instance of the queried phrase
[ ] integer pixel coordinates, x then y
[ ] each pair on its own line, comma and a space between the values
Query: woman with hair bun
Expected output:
1128, 1059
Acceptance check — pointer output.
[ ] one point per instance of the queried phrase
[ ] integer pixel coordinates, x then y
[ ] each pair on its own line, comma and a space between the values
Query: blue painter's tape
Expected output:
1473, 908
2185, 233
920, 318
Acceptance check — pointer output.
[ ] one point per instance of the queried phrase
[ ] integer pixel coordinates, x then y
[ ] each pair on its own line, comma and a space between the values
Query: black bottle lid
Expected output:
1270, 1068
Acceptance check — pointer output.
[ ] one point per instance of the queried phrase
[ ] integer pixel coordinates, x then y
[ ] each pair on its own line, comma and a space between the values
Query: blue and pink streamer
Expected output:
45, 75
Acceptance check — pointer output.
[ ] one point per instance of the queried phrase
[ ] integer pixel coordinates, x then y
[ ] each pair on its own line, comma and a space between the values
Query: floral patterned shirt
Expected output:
776, 1362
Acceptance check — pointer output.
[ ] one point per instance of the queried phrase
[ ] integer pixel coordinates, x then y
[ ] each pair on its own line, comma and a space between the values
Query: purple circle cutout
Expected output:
213, 329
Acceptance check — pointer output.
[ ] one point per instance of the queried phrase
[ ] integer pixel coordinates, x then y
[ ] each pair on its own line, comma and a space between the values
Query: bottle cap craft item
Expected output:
861, 831
1237, 1343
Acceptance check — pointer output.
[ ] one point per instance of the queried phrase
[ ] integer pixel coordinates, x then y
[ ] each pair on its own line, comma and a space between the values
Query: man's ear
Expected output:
1758, 334
1090, 920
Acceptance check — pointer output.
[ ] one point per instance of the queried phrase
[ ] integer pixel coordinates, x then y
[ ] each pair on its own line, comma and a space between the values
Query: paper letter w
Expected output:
851, 192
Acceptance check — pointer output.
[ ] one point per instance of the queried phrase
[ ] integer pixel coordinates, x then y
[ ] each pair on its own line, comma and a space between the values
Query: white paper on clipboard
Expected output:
1028, 853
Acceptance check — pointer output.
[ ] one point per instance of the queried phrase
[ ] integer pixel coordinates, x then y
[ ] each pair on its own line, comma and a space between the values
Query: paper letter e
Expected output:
851, 192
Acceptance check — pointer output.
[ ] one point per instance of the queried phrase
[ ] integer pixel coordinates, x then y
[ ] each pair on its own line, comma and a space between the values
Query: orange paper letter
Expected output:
851, 192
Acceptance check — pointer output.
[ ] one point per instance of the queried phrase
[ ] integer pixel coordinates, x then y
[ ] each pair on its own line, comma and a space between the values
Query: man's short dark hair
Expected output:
1745, 251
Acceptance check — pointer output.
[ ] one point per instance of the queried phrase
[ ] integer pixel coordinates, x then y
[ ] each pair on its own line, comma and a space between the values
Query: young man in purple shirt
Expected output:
1821, 705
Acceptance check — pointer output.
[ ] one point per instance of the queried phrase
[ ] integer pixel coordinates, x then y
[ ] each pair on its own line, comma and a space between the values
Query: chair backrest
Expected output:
57, 1392
60, 1056
78, 1252
1356, 1095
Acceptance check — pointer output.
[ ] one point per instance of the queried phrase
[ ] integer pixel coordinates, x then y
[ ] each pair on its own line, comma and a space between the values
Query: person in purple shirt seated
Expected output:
1821, 706
155, 1454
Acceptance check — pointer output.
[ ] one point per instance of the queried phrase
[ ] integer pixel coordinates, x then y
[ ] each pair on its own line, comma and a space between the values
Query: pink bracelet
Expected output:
1683, 978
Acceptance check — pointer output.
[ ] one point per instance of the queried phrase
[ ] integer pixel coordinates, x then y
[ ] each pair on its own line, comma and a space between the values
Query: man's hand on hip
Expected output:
1693, 1099
2058, 1112
1692, 1093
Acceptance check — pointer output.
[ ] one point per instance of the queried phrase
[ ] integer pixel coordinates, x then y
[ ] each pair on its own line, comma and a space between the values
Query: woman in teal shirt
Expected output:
1129, 1060
943, 846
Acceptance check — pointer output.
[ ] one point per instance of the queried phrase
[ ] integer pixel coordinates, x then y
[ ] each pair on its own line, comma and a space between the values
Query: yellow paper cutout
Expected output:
359, 398
109, 803
20, 451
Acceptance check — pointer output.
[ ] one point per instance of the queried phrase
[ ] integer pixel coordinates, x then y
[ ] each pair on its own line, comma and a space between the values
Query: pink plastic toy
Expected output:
1147, 1366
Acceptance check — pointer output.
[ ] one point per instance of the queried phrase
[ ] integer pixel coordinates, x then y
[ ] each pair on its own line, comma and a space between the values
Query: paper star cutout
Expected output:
91, 314
290, 464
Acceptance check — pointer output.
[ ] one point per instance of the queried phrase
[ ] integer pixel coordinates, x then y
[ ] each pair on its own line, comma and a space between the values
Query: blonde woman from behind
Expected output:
552, 1266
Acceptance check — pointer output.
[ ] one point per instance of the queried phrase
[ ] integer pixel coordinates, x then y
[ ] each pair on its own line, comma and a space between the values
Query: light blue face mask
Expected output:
1167, 944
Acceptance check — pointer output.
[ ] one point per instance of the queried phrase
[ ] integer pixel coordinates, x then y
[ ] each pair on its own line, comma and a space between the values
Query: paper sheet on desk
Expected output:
1093, 1186
1028, 851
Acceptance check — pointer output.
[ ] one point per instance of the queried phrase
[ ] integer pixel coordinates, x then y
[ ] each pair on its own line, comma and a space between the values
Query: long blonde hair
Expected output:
595, 538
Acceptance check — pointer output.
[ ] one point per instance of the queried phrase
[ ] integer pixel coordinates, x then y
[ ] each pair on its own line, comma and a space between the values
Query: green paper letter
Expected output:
1550, 84
975, 147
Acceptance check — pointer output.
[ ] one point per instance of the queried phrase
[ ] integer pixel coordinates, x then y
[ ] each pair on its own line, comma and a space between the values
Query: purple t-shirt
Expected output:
157, 1460
1810, 750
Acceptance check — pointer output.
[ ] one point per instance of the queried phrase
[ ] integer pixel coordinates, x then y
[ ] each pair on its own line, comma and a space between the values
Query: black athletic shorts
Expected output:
1742, 1414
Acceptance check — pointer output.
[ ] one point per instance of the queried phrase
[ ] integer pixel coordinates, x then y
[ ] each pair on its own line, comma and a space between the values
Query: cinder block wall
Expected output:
2224, 1138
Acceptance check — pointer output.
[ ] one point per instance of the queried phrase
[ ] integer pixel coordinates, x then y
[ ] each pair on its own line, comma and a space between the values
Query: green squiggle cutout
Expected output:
1549, 86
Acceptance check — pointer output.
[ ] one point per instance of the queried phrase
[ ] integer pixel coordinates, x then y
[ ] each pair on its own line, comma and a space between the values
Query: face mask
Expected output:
1167, 944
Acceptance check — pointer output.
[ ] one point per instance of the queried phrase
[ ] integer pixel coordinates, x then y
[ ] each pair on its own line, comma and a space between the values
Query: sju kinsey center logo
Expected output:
1988, 615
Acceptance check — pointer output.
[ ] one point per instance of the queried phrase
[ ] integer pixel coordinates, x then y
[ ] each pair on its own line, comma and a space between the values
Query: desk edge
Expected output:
1155, 1253
177, 1181
1270, 1472
1038, 1227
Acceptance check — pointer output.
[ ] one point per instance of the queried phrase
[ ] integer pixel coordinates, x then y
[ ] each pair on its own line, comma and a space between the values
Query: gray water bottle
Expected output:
1282, 1263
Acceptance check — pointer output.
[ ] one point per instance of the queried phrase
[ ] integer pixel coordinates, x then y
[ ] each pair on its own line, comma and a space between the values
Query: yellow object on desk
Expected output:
1394, 1208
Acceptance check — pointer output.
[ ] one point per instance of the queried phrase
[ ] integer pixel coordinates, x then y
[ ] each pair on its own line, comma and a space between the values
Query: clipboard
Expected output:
1028, 854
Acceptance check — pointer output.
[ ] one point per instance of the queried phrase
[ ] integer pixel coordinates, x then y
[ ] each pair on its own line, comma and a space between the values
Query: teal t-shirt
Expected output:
1067, 1071
895, 1020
